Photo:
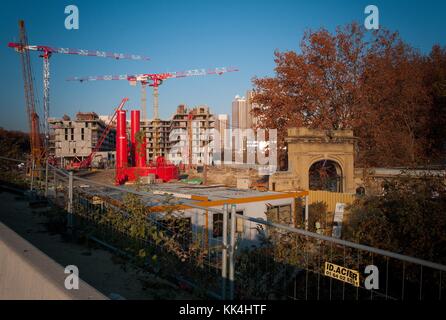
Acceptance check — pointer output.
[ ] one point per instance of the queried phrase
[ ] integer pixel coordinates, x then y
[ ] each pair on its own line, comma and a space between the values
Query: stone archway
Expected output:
325, 175
309, 148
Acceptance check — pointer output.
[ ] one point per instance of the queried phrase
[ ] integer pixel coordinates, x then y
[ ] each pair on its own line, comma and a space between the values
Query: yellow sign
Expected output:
342, 274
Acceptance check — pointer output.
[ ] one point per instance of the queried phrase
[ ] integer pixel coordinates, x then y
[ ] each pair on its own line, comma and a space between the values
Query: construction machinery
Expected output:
154, 80
190, 117
37, 150
47, 52
131, 171
86, 163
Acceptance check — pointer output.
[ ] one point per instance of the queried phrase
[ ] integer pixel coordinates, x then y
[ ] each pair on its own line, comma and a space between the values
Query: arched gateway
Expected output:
318, 160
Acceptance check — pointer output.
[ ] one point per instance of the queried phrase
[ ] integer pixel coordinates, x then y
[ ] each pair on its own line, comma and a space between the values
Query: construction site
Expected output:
179, 198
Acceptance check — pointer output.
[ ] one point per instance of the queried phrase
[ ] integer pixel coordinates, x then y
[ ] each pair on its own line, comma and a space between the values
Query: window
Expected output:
280, 214
74, 150
66, 137
217, 224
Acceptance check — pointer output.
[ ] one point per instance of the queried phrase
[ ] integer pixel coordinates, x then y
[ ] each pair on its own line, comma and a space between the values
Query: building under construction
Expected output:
190, 130
185, 125
73, 140
157, 137
191, 133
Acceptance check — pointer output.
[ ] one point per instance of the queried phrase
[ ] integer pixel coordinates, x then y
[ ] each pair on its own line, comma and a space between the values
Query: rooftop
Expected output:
184, 194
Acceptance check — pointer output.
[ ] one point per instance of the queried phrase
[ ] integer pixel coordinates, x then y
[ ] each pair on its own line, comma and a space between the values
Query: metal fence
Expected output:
282, 262
250, 258
121, 219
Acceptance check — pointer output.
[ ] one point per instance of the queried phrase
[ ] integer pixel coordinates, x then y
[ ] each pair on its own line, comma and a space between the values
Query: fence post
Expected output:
306, 212
70, 202
224, 261
231, 253
46, 179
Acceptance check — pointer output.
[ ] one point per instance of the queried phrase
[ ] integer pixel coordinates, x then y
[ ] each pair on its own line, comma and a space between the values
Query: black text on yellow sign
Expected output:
342, 274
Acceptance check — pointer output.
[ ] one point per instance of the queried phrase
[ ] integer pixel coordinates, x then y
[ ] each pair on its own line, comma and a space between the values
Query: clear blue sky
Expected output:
180, 35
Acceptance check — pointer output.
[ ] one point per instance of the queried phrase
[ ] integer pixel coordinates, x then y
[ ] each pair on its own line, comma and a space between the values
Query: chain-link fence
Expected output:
222, 254
282, 262
155, 231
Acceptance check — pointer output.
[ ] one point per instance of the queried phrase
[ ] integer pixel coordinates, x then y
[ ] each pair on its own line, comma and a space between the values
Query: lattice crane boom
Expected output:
88, 160
80, 52
155, 80
30, 100
47, 52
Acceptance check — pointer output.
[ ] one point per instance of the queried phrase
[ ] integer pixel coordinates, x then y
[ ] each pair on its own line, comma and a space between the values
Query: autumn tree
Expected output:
317, 88
435, 78
371, 82
407, 218
393, 117
14, 144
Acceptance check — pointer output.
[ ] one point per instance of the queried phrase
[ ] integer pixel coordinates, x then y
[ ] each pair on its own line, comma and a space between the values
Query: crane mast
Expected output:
30, 101
154, 80
46, 95
47, 52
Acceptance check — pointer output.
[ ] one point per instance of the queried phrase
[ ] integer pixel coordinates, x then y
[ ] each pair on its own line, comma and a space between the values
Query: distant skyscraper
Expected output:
242, 119
241, 112
238, 106
222, 124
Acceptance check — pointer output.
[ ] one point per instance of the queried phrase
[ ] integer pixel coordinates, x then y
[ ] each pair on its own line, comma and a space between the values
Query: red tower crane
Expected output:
33, 118
154, 80
47, 52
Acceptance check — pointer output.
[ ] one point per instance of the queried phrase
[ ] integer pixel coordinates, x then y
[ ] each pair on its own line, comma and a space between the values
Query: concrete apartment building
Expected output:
222, 126
157, 135
200, 128
75, 139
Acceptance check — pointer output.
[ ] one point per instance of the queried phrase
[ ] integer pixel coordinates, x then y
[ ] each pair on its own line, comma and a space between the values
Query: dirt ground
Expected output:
100, 175
112, 276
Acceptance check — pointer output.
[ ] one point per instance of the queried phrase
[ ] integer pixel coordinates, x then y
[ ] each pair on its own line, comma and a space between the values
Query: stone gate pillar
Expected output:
308, 146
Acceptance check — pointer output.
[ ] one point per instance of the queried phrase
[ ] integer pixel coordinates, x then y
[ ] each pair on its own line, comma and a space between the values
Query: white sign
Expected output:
337, 220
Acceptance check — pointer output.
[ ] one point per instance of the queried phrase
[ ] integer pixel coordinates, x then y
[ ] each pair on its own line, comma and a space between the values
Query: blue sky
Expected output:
180, 35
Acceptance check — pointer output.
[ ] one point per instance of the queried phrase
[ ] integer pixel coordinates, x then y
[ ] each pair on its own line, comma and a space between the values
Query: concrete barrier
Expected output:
26, 273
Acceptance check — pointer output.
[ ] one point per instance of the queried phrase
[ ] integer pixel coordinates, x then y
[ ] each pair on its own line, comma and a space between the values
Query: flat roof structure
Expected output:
205, 196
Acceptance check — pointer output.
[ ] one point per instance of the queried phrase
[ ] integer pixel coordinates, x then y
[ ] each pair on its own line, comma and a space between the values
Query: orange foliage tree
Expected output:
371, 82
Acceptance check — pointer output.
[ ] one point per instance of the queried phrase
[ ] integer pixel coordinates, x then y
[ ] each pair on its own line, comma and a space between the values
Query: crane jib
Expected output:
81, 52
